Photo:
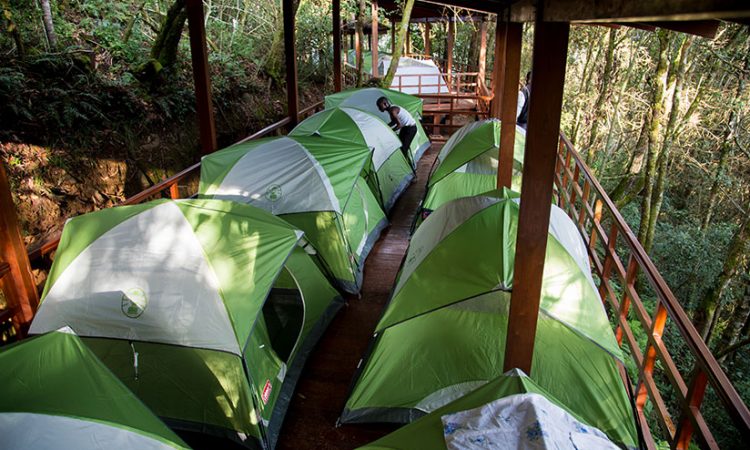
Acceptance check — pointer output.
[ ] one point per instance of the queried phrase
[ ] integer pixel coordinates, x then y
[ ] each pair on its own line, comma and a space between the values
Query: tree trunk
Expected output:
12, 28
401, 38
131, 23
584, 86
632, 184
733, 331
359, 25
710, 303
164, 50
603, 89
654, 132
49, 27
676, 80
273, 64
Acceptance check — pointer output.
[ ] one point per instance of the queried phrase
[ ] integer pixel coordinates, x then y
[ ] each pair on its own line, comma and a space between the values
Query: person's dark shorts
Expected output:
406, 134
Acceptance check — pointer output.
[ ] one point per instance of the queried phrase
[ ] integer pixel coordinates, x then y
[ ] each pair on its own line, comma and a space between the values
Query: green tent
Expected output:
57, 394
205, 309
443, 331
428, 432
314, 184
366, 100
467, 164
388, 172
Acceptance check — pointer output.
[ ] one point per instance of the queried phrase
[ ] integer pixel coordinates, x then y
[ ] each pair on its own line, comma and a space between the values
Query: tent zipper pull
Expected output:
135, 360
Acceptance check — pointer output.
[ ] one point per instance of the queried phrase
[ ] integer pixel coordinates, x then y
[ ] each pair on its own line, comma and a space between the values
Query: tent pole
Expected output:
508, 102
337, 45
548, 64
374, 38
290, 54
201, 77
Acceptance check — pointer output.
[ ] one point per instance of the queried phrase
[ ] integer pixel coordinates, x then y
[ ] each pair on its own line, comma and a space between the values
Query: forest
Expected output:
96, 104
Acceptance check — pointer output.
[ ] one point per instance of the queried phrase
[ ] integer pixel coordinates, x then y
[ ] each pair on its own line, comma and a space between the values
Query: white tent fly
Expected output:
408, 77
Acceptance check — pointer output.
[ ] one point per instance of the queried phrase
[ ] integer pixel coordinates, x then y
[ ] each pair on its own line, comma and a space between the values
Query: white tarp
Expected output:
281, 177
523, 422
142, 282
408, 72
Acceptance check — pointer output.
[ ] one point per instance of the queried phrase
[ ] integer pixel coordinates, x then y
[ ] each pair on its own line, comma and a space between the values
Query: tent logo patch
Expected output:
273, 193
266, 394
134, 302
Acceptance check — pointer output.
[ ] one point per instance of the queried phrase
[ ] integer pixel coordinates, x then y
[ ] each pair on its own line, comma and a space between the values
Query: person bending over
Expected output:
402, 122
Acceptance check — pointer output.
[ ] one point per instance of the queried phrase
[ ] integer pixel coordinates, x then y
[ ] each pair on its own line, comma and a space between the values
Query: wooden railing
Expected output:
169, 187
444, 83
613, 248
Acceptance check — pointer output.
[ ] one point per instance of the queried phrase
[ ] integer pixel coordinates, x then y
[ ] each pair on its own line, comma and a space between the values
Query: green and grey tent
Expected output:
314, 184
467, 164
388, 172
205, 309
366, 100
443, 332
57, 394
428, 432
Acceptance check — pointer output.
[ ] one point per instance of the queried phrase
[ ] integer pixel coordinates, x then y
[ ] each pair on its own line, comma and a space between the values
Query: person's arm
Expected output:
395, 122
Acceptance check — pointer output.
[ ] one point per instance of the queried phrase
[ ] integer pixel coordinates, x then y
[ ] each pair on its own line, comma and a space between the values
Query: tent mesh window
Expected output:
284, 315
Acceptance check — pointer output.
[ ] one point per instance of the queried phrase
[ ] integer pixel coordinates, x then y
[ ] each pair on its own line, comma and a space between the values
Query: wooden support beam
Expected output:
498, 70
201, 77
374, 38
18, 285
290, 55
337, 45
509, 102
427, 39
449, 45
482, 65
407, 41
548, 78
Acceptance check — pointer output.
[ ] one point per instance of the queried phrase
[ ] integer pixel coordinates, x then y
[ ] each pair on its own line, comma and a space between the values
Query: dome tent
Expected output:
467, 164
314, 184
71, 400
205, 309
429, 432
388, 173
366, 100
443, 332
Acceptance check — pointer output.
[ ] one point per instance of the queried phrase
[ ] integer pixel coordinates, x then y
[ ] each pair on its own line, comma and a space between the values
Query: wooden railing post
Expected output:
374, 38
695, 393
630, 276
18, 284
608, 261
201, 77
337, 45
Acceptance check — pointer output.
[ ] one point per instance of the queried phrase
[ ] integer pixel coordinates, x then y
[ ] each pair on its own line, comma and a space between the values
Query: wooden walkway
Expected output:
323, 387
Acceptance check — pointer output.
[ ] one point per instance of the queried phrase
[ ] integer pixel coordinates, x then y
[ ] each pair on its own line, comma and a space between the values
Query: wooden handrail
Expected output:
49, 244
706, 371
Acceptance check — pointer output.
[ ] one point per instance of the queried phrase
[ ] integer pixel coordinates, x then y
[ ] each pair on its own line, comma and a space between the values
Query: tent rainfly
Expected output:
443, 332
388, 173
366, 100
205, 309
430, 432
314, 184
467, 164
57, 394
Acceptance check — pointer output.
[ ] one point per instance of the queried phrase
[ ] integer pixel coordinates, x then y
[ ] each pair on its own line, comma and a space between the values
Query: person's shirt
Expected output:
522, 111
404, 117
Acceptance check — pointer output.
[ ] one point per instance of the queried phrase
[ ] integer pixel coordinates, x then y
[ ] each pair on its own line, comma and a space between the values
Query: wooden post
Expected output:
201, 78
18, 285
337, 45
482, 66
407, 41
290, 55
498, 71
357, 48
427, 41
508, 102
548, 63
374, 38
449, 45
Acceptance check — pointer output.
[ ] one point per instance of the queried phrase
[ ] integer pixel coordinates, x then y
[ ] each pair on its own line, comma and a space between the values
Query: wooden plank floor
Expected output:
323, 387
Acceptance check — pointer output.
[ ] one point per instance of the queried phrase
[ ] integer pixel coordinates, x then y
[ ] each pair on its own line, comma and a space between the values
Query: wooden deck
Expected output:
323, 387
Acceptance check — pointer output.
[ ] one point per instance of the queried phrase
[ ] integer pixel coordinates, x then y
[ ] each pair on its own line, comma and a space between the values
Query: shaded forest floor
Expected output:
74, 140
